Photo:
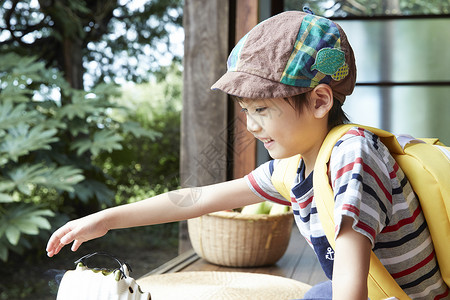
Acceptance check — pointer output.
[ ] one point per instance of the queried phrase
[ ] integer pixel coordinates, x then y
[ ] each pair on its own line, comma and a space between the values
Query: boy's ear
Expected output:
321, 98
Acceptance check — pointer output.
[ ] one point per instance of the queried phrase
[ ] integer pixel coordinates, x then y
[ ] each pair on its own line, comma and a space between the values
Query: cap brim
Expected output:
247, 85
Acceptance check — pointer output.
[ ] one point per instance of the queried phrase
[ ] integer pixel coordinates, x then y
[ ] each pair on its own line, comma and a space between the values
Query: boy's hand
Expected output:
77, 231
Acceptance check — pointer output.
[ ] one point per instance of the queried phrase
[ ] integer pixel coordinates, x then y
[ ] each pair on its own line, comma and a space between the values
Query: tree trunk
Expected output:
73, 62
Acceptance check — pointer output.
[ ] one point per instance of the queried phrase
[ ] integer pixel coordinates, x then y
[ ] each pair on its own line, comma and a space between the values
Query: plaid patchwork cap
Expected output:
290, 54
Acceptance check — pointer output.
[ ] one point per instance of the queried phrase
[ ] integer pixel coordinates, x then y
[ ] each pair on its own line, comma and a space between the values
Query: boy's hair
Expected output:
336, 115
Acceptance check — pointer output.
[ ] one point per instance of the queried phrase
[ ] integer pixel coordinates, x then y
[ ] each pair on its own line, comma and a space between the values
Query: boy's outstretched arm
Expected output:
169, 207
351, 263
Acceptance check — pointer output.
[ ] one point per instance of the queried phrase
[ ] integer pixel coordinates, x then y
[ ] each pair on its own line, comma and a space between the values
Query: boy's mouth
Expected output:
267, 142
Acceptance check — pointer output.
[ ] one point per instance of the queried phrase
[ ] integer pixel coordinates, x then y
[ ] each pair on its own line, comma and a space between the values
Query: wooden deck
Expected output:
299, 263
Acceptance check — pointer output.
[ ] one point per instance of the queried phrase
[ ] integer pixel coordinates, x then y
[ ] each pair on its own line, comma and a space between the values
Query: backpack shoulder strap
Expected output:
381, 285
283, 175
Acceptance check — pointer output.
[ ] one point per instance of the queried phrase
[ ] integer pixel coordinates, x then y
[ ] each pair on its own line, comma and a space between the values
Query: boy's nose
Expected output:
252, 125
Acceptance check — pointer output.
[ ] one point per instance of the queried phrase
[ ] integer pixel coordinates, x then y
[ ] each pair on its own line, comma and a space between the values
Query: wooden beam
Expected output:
244, 144
204, 115
204, 136
246, 17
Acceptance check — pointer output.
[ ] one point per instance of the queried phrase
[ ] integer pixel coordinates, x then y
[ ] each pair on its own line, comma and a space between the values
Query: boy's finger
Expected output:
76, 244
55, 242
51, 251
68, 238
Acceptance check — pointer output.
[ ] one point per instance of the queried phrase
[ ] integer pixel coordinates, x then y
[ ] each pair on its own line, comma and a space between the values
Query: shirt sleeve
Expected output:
361, 183
260, 182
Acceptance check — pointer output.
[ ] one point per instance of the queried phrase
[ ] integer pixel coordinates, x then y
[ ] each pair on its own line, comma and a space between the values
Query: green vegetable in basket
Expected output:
278, 209
261, 208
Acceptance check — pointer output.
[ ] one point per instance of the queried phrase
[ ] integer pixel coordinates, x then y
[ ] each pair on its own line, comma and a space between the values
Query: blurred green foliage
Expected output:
52, 152
67, 158
69, 144
146, 167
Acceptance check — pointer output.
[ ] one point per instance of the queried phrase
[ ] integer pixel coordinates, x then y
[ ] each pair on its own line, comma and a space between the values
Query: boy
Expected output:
291, 74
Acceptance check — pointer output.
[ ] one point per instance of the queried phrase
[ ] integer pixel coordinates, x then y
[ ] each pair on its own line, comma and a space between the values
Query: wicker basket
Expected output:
237, 240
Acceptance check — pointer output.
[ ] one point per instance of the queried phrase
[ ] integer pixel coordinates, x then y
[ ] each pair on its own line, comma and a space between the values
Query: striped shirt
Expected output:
369, 187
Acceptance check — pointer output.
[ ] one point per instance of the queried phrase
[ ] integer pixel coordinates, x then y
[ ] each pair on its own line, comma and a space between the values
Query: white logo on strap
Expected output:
330, 254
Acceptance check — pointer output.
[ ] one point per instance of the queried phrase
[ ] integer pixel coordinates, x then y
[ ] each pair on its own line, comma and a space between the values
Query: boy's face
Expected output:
284, 131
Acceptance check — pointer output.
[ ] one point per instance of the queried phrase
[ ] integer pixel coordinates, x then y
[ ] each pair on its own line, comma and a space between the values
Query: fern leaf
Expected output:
6, 186
137, 130
28, 66
23, 219
89, 188
5, 198
12, 234
62, 178
13, 115
25, 175
102, 141
22, 139
80, 110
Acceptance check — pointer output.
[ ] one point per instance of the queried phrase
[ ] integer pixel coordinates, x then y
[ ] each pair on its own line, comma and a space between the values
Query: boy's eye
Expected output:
260, 109
244, 110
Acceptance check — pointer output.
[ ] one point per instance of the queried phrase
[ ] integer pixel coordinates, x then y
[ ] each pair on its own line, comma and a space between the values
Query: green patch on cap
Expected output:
329, 60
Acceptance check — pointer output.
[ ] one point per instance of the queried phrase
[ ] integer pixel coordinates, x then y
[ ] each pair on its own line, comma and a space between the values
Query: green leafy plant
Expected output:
50, 135
18, 220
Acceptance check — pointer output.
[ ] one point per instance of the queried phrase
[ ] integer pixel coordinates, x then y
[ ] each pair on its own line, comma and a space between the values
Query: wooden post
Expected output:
204, 136
244, 144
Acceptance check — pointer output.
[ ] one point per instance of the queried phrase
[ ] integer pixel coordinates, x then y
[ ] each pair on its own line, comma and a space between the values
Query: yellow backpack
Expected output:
427, 166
